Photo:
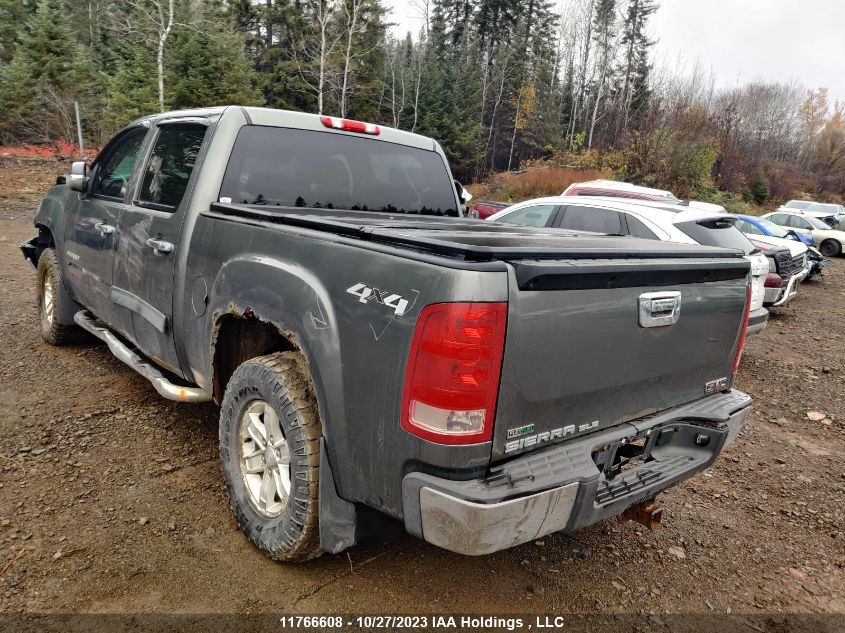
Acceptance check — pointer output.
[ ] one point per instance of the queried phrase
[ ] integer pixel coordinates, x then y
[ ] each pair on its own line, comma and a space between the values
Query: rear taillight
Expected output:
741, 343
452, 378
348, 125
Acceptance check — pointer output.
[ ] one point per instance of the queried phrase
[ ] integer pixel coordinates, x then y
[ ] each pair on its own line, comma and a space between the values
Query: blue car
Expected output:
752, 225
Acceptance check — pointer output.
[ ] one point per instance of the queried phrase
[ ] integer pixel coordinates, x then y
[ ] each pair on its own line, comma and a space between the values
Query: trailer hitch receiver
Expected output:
646, 512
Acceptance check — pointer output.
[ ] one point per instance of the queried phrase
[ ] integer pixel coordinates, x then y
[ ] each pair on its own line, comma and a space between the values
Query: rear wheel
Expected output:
830, 248
270, 455
52, 297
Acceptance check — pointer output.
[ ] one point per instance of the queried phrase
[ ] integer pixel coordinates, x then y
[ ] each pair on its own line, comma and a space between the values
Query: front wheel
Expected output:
52, 297
830, 248
270, 455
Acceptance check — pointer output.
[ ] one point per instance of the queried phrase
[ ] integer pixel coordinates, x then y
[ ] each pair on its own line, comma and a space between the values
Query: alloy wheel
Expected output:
264, 459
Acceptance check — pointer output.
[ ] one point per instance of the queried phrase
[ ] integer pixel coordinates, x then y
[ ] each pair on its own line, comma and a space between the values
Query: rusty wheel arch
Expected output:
239, 336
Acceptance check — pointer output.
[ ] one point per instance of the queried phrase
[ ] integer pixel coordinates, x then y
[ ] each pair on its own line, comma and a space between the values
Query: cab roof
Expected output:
272, 117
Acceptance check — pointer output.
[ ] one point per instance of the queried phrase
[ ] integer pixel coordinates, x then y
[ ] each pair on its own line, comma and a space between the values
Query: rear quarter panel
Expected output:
299, 281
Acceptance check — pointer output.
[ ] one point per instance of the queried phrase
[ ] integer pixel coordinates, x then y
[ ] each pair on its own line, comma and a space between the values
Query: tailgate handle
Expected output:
659, 308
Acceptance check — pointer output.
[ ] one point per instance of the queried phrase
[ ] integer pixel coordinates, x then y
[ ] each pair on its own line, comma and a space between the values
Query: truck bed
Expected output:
467, 239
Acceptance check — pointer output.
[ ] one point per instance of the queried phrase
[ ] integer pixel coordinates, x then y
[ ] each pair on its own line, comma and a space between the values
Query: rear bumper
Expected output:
562, 487
757, 320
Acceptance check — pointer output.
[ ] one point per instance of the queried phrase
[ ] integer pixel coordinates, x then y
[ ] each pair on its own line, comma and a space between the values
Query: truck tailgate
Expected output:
577, 358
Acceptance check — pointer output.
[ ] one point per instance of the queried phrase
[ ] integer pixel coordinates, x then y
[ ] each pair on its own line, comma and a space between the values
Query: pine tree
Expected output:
209, 68
13, 13
48, 72
132, 89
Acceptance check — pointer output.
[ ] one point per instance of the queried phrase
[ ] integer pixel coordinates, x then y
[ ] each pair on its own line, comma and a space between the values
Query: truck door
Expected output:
91, 228
145, 265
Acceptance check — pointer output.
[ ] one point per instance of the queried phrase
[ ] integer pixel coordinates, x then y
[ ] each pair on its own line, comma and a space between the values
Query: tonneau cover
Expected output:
470, 239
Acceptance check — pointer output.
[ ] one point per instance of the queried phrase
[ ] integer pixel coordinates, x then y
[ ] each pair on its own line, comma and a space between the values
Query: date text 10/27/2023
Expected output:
445, 622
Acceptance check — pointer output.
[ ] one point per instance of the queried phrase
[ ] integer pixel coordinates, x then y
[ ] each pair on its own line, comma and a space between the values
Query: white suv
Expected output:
652, 220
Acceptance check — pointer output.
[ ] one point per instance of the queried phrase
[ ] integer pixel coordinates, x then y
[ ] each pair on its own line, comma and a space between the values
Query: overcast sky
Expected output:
741, 40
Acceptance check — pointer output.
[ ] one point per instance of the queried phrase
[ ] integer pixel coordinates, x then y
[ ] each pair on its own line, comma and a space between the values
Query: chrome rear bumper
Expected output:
563, 488
475, 529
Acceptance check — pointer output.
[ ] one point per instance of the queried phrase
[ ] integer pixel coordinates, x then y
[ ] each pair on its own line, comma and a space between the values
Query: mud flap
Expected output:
30, 251
337, 516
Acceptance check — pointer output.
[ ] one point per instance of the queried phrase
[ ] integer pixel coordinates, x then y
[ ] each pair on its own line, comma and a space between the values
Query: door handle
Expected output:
104, 229
160, 247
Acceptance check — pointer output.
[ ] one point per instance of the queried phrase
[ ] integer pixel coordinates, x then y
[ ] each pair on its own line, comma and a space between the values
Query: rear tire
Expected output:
52, 297
830, 248
270, 455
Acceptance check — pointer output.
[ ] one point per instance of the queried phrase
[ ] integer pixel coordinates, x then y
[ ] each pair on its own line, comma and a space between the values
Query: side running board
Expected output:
166, 388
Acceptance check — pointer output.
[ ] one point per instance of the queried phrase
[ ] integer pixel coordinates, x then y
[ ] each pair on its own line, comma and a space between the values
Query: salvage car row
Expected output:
781, 247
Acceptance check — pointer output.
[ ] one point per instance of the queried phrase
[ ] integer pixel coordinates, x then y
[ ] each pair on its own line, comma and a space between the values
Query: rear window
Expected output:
324, 170
717, 233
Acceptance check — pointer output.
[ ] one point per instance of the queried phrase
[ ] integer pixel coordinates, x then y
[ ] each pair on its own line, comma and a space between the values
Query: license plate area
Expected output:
615, 458
645, 460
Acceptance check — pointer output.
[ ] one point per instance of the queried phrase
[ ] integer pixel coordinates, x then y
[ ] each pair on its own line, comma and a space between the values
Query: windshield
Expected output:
325, 170
773, 229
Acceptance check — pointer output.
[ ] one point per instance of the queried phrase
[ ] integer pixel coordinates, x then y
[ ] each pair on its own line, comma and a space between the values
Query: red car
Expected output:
485, 208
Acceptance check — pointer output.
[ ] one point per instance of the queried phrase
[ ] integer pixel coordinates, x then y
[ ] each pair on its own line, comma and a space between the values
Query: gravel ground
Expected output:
111, 499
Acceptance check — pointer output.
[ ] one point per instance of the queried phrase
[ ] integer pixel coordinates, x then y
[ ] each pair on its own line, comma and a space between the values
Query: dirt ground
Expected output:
111, 499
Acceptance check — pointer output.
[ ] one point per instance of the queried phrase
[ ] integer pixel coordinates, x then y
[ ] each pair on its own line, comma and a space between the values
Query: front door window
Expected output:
113, 171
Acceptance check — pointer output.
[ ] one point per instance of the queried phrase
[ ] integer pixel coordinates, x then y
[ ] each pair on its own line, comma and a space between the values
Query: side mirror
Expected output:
78, 177
463, 194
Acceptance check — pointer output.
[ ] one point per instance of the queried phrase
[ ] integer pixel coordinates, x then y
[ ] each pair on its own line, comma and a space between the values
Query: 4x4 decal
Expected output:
386, 298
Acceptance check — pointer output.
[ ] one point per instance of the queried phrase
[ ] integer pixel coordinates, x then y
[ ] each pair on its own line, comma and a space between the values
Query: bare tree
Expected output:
164, 31
317, 48
418, 70
581, 33
422, 9
606, 41
152, 21
352, 26
397, 76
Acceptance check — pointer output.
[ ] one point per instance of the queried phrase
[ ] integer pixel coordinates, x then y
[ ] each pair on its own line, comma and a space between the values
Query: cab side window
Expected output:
536, 215
778, 218
797, 222
169, 168
113, 172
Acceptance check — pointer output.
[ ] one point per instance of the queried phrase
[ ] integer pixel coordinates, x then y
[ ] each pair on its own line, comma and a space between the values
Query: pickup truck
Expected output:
369, 347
